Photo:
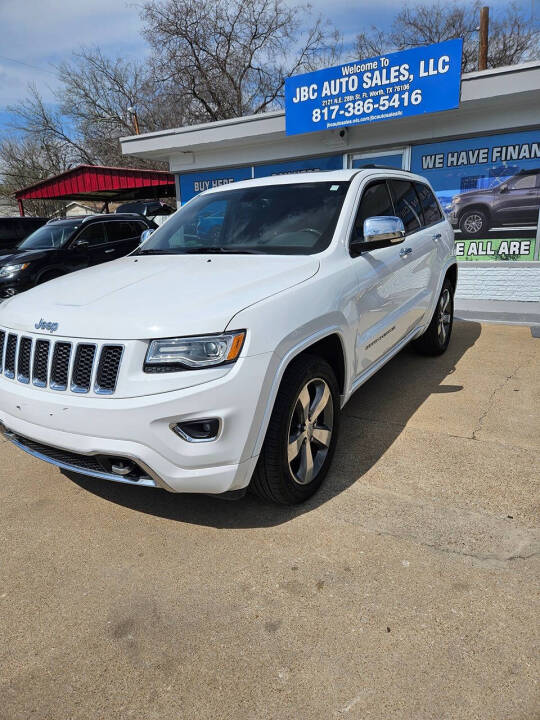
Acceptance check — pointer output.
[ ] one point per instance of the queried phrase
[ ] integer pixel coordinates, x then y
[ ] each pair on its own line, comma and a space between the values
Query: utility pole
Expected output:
133, 112
483, 38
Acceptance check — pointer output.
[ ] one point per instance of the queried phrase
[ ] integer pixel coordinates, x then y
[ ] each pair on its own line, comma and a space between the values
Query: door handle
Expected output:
437, 237
110, 251
405, 251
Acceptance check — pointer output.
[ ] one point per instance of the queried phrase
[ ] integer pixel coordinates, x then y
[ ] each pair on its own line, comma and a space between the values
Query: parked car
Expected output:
154, 210
515, 201
206, 368
62, 246
13, 230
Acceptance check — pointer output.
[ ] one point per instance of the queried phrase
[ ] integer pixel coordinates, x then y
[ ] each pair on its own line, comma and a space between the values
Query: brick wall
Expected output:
499, 281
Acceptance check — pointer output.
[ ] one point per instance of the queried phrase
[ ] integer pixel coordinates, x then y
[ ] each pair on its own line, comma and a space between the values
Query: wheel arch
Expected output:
484, 207
452, 275
50, 270
328, 344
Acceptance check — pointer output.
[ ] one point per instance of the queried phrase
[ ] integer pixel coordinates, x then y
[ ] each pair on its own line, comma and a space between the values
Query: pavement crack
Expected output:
485, 558
491, 399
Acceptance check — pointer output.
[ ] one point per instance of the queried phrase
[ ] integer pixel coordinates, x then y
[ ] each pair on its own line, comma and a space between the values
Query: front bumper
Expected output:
139, 428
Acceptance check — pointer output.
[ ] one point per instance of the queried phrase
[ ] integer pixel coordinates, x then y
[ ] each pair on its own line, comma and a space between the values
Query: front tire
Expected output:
302, 433
436, 338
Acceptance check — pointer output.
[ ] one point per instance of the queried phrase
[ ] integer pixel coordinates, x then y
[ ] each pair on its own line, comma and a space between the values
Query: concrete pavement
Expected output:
406, 589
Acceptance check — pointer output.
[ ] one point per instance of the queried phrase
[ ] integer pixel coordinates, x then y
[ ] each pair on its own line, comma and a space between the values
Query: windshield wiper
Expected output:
214, 249
156, 251
203, 249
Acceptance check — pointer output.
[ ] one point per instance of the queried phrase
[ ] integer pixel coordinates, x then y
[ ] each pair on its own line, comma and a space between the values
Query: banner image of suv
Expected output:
514, 202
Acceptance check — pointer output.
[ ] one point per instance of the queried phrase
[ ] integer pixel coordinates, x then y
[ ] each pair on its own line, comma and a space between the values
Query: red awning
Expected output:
94, 182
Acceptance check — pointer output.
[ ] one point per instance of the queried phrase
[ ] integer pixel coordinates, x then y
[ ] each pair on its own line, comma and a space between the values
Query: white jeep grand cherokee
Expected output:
220, 353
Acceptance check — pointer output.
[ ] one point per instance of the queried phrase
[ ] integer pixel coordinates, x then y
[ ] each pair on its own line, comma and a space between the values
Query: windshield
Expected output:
50, 236
293, 219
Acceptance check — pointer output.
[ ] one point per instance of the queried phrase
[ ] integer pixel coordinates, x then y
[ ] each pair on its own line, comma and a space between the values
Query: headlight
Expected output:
8, 270
193, 352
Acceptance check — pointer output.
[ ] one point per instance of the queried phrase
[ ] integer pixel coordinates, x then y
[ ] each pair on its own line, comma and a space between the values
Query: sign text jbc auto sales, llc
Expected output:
412, 82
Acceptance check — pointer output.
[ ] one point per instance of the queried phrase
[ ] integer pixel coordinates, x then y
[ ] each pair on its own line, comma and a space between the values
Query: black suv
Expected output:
62, 246
13, 230
515, 201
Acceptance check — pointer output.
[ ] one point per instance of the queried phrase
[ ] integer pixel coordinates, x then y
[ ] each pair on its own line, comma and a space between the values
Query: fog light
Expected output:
197, 430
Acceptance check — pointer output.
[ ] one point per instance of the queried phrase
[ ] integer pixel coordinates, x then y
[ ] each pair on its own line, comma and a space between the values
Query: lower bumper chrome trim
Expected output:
144, 481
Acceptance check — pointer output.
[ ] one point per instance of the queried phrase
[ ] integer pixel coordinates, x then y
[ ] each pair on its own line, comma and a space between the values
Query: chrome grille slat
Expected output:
24, 357
83, 364
60, 364
41, 363
2, 345
108, 367
11, 355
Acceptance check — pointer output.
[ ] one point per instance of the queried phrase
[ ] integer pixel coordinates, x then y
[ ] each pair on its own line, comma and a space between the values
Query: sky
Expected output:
39, 34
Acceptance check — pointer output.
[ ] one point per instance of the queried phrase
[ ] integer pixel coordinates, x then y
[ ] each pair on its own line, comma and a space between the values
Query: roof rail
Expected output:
371, 166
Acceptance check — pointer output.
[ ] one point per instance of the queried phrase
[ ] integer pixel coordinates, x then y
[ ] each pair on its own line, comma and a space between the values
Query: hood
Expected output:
141, 297
18, 256
470, 193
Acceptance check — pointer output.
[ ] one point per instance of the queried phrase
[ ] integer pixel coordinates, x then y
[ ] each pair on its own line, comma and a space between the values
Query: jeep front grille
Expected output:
60, 365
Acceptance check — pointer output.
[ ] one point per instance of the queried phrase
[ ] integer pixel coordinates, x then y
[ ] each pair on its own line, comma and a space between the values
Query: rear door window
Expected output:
123, 230
525, 182
407, 204
430, 206
93, 234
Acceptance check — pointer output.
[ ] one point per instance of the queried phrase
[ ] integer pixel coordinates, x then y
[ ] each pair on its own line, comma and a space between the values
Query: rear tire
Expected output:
436, 338
302, 433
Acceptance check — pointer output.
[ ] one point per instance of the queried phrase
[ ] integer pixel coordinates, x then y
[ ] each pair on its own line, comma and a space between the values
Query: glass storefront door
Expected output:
395, 158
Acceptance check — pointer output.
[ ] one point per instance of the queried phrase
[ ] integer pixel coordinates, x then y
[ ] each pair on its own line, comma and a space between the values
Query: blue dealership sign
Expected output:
411, 82
193, 183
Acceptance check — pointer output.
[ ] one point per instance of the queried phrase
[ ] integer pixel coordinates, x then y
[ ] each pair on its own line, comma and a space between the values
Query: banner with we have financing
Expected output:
489, 187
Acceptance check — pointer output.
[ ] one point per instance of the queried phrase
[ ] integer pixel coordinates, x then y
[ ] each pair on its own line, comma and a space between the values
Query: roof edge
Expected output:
62, 175
186, 129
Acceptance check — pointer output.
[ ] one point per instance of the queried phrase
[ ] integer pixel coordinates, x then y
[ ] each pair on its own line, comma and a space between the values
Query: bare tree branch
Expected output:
512, 37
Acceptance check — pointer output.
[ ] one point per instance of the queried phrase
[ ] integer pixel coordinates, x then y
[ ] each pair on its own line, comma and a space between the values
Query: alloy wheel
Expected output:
444, 318
473, 223
310, 431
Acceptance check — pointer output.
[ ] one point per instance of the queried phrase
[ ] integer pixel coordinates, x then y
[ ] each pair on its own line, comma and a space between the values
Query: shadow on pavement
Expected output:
390, 398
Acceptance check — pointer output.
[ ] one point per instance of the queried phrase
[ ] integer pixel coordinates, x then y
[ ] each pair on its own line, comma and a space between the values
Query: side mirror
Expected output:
146, 234
379, 231
504, 188
80, 244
